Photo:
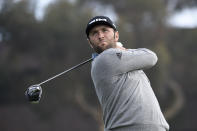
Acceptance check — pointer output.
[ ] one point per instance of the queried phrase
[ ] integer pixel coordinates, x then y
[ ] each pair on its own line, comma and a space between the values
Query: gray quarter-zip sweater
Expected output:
124, 91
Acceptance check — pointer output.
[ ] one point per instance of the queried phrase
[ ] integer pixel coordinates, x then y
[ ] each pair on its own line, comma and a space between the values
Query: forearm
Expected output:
133, 59
138, 59
118, 61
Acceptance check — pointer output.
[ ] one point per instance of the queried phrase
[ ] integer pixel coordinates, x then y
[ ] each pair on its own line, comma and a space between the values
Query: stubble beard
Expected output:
99, 49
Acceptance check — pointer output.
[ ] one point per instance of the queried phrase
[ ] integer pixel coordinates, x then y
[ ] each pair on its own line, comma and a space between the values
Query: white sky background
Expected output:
187, 18
41, 6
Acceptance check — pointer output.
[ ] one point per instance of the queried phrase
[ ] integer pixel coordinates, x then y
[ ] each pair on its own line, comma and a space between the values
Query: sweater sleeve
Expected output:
122, 61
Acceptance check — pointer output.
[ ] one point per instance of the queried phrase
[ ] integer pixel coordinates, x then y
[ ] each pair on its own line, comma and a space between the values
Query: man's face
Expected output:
103, 37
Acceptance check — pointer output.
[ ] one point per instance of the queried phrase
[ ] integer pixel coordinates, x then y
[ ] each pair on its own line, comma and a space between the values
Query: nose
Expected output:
100, 35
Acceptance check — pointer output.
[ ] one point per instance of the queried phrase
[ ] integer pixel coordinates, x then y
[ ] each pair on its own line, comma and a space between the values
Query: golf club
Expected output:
34, 92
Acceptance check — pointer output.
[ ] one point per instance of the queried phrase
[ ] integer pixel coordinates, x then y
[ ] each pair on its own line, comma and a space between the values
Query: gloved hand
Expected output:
33, 93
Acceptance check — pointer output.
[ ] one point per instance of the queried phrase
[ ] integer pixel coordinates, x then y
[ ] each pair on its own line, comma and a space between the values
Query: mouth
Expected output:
103, 43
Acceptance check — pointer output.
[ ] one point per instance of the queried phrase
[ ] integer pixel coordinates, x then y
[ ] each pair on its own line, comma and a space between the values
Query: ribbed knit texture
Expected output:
124, 91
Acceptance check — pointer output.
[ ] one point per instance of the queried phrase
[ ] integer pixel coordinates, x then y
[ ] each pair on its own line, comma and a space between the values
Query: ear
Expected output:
89, 42
116, 36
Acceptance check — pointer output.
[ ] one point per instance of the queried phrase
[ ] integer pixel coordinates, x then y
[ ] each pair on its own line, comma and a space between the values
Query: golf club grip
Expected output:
66, 71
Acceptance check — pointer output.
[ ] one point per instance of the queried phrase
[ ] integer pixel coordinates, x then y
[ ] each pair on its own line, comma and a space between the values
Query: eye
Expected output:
93, 33
105, 29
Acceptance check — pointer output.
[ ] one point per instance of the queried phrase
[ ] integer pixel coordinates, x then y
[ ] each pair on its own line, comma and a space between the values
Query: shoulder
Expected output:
107, 57
111, 51
110, 55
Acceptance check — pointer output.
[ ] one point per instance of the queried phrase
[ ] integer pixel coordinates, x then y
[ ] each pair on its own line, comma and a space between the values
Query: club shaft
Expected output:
66, 71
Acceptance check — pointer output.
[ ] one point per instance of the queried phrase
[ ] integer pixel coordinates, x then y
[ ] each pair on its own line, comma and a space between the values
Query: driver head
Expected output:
33, 93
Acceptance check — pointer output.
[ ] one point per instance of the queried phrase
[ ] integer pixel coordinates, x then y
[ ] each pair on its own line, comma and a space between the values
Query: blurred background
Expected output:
40, 38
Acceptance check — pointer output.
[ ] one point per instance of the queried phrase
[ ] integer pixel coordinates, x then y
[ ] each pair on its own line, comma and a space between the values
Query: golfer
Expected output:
124, 91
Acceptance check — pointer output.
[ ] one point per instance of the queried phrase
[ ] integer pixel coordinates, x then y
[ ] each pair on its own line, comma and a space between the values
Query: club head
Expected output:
33, 93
